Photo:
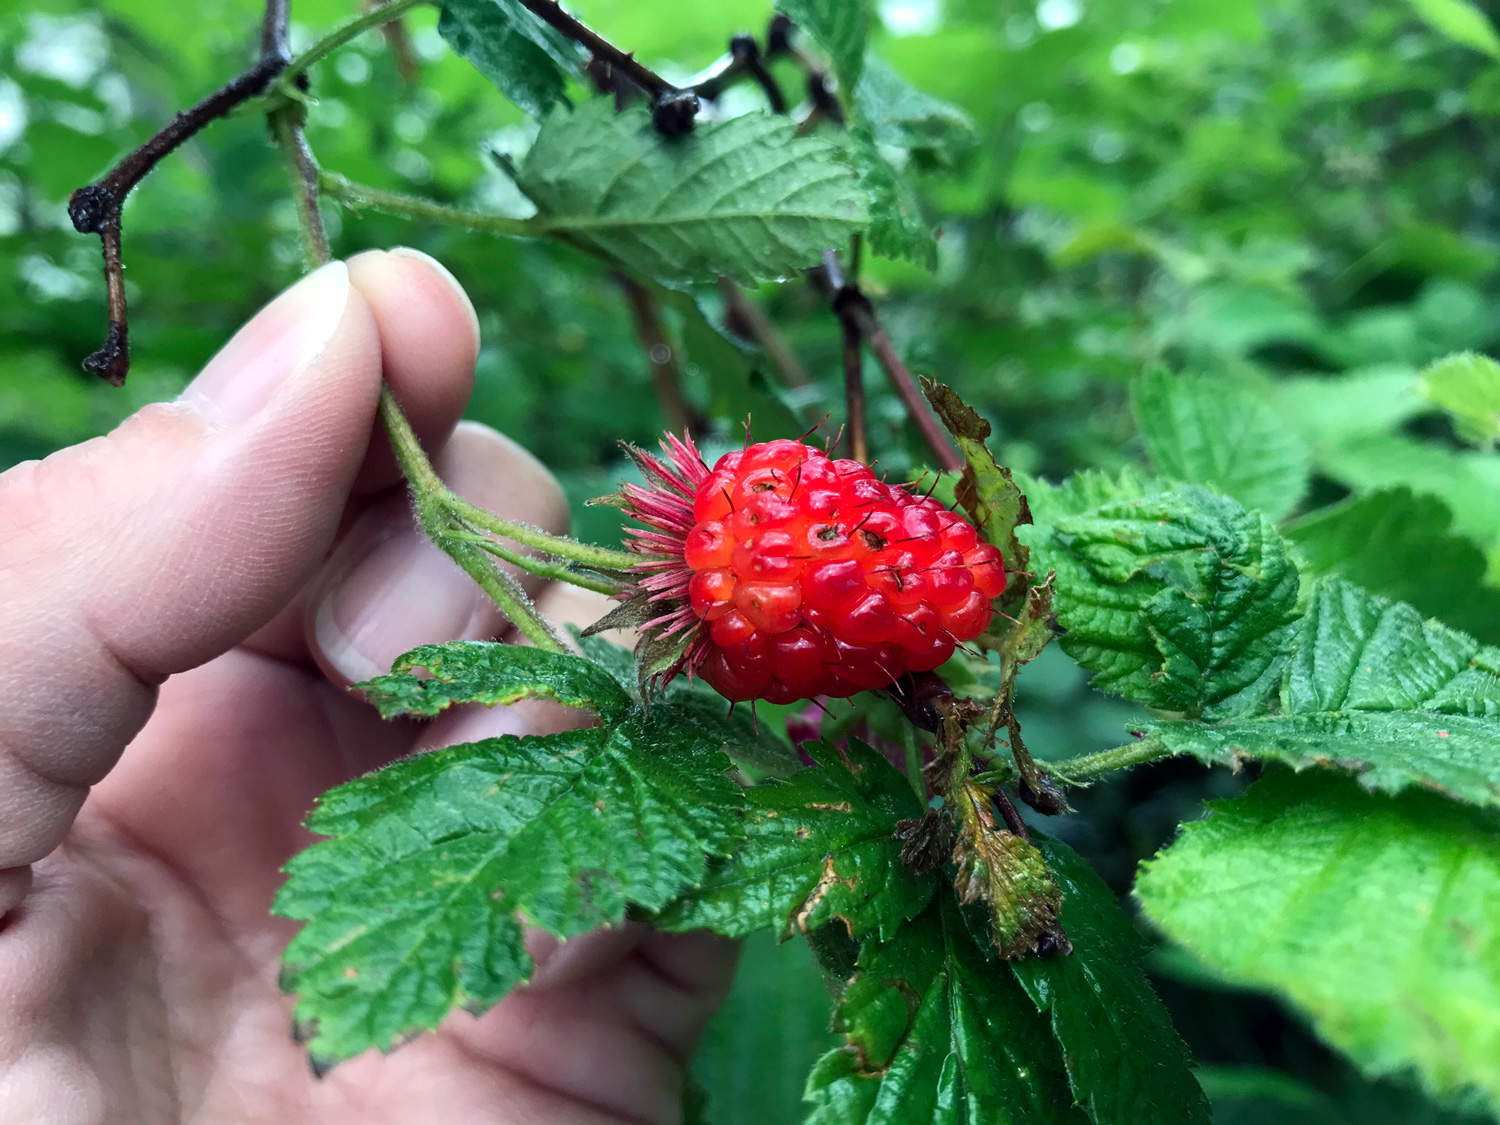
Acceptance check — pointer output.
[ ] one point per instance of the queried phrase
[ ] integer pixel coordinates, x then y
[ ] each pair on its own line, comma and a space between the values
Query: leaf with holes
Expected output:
901, 115
1126, 1063
840, 27
743, 197
936, 1032
898, 228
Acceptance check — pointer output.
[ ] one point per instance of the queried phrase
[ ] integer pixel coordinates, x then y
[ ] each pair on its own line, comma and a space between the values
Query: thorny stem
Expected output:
661, 356
1089, 767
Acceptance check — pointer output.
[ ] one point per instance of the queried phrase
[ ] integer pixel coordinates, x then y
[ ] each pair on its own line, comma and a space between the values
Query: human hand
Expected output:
253, 542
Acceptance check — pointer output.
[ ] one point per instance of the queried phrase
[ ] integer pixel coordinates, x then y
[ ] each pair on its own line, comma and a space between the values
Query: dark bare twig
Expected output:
666, 373
95, 208
672, 109
744, 60
746, 319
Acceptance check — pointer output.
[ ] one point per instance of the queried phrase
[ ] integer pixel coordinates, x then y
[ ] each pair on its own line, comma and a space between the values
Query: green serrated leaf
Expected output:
1183, 601
1462, 22
1400, 545
901, 115
743, 197
490, 673
760, 747
1080, 493
938, 1033
819, 846
415, 905
986, 491
1217, 432
1126, 1063
1467, 385
529, 61
1378, 916
1375, 689
840, 27
898, 228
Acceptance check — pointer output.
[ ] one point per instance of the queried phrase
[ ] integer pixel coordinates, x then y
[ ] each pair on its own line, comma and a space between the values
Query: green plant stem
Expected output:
1089, 767
429, 494
349, 29
435, 514
555, 572
412, 207
600, 558
303, 170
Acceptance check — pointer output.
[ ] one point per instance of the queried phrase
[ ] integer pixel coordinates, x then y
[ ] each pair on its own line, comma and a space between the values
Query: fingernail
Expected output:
404, 593
278, 343
443, 272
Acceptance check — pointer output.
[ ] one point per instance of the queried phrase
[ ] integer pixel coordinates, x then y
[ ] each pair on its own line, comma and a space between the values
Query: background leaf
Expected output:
1217, 432
1378, 916
1467, 385
1461, 21
529, 61
1400, 545
741, 197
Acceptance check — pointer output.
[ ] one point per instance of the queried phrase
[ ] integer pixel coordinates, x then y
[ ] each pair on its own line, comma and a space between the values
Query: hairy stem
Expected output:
571, 550
435, 513
302, 167
356, 195
1088, 767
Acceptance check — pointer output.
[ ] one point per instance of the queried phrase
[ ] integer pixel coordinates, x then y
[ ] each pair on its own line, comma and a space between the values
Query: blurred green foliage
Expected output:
1298, 197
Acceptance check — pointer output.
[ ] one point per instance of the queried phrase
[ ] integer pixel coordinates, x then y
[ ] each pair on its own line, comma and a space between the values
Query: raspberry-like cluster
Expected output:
815, 578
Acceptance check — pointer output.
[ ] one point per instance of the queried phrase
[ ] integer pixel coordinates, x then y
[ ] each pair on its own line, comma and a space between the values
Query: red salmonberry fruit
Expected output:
792, 575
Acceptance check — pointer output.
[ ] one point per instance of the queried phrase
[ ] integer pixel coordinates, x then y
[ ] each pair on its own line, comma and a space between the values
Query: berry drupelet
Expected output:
794, 575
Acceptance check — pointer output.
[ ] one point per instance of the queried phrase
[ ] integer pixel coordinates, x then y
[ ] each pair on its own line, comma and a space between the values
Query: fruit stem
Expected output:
560, 546
435, 512
1086, 768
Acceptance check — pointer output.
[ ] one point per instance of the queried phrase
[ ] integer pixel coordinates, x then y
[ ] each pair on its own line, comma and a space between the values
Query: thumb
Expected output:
162, 545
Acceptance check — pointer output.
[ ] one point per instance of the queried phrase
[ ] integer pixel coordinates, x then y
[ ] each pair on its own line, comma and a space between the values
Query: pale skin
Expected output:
182, 605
